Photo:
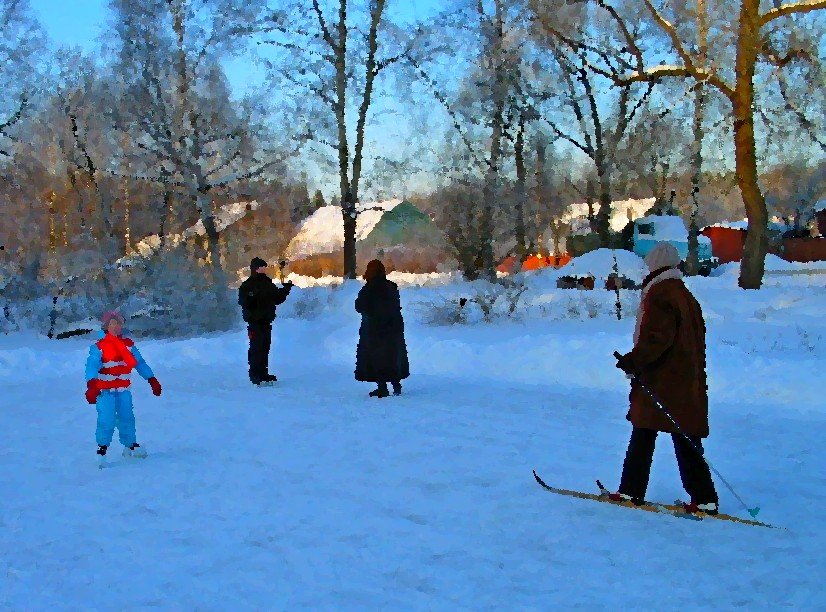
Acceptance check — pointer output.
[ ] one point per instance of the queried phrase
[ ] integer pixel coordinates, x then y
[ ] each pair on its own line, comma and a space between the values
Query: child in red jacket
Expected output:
111, 360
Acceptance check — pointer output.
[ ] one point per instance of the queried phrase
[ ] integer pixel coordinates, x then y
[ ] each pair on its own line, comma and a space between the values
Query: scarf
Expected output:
656, 276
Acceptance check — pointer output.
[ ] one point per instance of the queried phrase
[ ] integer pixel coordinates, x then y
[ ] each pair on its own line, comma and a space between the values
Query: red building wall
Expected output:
804, 249
726, 243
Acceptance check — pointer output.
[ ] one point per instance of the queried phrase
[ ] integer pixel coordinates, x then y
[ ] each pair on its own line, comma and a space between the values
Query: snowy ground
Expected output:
311, 495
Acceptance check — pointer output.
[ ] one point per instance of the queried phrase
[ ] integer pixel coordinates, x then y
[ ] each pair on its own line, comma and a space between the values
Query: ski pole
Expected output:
752, 511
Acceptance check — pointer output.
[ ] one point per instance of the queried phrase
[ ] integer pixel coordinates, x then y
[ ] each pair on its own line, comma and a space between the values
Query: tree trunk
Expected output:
348, 212
603, 217
350, 258
590, 194
692, 263
745, 148
542, 194
521, 191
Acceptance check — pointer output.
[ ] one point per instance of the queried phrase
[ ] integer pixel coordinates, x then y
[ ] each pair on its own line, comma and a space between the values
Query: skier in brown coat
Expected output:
669, 357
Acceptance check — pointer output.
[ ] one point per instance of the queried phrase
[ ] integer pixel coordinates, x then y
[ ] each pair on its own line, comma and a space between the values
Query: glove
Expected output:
92, 391
626, 364
156, 386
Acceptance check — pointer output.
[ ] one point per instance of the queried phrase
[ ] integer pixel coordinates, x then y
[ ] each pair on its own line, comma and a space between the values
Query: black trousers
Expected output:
694, 471
258, 356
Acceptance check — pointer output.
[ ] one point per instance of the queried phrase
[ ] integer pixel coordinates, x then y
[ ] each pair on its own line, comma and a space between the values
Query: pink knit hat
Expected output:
109, 315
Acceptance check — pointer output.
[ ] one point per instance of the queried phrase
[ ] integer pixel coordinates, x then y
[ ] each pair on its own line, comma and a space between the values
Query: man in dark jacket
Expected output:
669, 358
258, 297
381, 356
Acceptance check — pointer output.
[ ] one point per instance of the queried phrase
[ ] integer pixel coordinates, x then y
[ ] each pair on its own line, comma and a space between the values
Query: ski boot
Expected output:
710, 508
397, 388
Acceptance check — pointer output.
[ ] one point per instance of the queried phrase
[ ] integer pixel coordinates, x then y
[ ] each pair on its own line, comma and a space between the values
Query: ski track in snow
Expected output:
311, 495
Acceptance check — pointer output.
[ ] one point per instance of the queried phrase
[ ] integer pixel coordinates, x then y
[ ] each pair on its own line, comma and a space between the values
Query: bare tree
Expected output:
749, 43
337, 54
174, 105
491, 111
602, 127
20, 41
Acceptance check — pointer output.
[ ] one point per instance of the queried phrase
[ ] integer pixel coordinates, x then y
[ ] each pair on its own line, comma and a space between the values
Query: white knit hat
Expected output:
664, 255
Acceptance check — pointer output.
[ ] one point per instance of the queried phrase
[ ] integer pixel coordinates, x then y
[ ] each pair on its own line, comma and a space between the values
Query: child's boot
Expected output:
134, 452
101, 452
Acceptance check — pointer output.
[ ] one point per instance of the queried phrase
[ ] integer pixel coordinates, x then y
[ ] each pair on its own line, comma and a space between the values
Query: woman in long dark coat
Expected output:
381, 356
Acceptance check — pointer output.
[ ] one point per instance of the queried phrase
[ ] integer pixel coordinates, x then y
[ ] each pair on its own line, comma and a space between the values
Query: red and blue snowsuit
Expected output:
108, 367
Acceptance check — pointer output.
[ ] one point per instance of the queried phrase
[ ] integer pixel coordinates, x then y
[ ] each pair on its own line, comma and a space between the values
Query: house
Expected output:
653, 229
395, 231
809, 248
729, 237
404, 238
574, 223
727, 240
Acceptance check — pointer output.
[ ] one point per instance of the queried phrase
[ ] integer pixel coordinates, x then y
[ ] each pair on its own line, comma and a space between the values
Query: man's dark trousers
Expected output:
694, 471
260, 335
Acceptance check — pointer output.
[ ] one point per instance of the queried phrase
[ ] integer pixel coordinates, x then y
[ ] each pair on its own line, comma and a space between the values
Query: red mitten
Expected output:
156, 386
92, 391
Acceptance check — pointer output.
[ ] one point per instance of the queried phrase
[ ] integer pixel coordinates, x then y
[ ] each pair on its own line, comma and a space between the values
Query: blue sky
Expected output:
82, 23
72, 22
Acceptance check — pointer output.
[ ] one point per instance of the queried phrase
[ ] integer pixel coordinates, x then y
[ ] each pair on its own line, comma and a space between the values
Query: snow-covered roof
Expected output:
323, 231
775, 224
224, 217
600, 264
744, 224
666, 227
622, 211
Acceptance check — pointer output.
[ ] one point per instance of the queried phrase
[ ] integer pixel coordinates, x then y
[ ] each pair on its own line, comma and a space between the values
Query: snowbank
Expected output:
600, 264
774, 265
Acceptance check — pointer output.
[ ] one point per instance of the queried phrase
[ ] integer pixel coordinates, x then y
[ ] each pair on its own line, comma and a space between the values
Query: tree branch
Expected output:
792, 8
328, 38
18, 114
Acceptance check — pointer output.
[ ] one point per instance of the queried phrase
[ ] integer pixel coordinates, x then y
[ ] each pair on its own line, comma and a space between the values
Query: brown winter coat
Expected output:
670, 356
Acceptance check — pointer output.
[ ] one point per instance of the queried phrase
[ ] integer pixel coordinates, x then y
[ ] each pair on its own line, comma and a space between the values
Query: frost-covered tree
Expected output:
754, 42
332, 55
182, 129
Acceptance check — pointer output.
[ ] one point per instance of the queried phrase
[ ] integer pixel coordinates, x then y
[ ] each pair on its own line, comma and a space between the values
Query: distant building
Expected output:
651, 230
395, 231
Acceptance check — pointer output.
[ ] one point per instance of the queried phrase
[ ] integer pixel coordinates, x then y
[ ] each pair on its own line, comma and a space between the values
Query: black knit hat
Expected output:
256, 263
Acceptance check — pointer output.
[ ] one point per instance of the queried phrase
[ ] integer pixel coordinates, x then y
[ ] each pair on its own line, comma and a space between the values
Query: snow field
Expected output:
311, 495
